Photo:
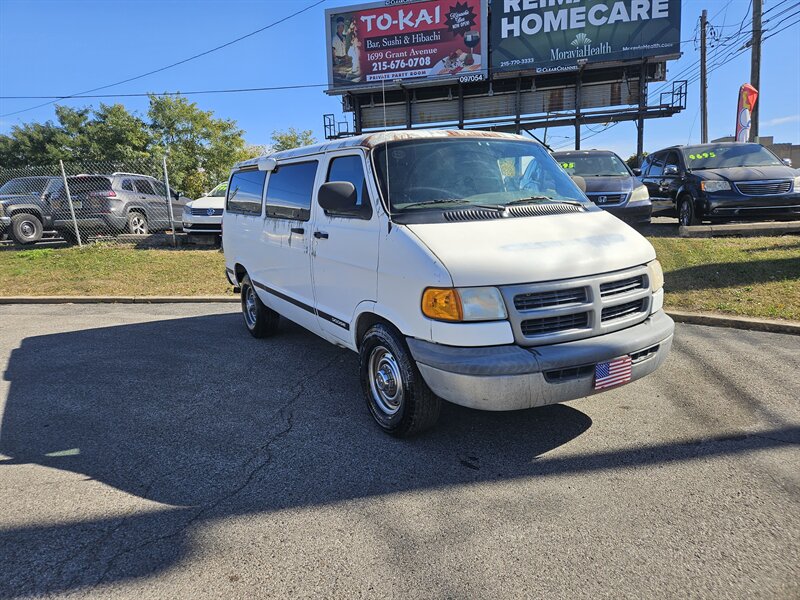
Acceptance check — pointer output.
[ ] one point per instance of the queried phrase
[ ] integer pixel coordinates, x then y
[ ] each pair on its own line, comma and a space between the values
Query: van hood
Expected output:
532, 249
208, 202
747, 173
610, 184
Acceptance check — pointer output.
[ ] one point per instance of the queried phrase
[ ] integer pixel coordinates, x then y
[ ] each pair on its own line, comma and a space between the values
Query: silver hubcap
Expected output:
250, 308
138, 225
27, 229
385, 381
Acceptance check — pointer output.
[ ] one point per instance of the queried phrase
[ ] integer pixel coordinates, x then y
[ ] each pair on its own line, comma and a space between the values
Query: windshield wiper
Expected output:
497, 207
535, 199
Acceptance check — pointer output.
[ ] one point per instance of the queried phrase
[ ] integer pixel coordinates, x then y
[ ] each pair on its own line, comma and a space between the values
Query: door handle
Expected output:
320, 235
299, 230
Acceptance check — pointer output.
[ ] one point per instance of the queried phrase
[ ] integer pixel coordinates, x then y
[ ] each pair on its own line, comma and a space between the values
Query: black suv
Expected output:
721, 181
610, 184
107, 204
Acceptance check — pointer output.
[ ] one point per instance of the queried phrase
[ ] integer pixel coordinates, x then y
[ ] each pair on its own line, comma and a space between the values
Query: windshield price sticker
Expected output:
702, 155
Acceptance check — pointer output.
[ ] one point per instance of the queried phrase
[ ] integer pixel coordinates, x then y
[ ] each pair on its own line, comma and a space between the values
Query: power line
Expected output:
189, 93
175, 64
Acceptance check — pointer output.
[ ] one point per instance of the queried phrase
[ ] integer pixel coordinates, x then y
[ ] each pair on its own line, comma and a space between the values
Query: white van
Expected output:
460, 265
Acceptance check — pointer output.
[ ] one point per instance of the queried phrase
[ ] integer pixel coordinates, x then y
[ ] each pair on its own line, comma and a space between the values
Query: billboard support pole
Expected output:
518, 105
642, 107
460, 105
578, 110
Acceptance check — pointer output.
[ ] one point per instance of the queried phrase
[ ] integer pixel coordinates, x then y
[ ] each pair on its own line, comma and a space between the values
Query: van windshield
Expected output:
593, 165
451, 173
729, 155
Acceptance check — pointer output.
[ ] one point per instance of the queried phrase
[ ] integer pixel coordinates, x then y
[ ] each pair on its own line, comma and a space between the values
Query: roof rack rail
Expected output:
115, 173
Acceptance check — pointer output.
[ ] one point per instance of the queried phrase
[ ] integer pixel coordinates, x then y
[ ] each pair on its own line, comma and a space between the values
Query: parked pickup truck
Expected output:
460, 265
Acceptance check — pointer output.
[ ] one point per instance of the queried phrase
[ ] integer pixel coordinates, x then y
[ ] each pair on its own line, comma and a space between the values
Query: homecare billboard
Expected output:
427, 39
551, 36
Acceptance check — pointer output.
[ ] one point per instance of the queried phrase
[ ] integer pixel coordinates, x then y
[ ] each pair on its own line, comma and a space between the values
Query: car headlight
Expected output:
656, 275
715, 186
797, 185
463, 304
640, 193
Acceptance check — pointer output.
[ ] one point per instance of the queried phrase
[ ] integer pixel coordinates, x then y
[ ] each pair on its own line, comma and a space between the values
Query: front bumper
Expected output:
633, 212
721, 205
202, 224
513, 377
5, 223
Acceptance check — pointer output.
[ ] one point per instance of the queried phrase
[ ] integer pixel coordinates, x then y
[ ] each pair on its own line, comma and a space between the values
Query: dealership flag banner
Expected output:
552, 36
747, 100
384, 41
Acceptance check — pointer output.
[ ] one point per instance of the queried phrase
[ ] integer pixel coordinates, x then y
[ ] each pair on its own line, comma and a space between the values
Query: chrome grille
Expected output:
573, 309
623, 286
550, 298
534, 327
203, 212
604, 198
621, 310
764, 188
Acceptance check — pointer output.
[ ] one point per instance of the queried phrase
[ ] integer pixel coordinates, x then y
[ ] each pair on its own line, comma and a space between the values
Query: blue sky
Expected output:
51, 47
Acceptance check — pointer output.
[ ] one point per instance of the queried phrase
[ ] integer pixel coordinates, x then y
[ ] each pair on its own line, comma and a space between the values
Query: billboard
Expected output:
424, 40
552, 36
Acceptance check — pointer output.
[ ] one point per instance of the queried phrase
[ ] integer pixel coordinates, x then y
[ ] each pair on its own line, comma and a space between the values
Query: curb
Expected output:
690, 318
749, 324
116, 299
739, 229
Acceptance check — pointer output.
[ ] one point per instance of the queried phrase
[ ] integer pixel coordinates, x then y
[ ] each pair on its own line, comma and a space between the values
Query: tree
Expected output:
633, 160
202, 149
291, 138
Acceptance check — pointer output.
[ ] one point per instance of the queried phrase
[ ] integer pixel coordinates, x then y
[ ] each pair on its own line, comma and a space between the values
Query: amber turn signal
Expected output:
442, 304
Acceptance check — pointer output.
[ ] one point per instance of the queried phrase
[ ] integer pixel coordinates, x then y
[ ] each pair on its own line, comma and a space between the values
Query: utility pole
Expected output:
755, 67
703, 79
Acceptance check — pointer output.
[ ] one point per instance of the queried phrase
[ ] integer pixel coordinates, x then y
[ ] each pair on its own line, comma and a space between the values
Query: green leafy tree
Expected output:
633, 160
202, 149
292, 138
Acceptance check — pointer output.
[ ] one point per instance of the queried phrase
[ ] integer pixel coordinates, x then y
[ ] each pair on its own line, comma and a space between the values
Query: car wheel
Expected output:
687, 214
397, 396
26, 228
137, 223
260, 320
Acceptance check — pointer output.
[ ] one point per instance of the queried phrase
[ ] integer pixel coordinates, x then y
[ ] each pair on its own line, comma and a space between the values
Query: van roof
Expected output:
371, 140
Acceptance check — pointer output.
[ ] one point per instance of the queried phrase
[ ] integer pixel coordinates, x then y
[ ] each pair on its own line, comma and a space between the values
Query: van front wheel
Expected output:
260, 320
398, 398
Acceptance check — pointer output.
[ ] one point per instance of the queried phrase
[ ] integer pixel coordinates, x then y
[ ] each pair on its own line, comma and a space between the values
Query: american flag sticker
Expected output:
612, 373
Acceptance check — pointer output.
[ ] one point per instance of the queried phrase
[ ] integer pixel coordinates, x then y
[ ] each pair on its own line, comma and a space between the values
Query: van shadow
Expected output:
195, 414
718, 275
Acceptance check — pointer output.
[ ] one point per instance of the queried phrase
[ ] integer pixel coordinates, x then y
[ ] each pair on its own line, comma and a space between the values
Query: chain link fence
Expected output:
83, 203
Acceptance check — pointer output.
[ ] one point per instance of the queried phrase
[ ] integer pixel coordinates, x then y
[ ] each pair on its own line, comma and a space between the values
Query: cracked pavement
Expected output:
160, 451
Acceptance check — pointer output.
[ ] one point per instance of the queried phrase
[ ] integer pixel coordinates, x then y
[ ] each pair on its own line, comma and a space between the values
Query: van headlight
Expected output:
715, 186
797, 185
656, 275
464, 304
639, 194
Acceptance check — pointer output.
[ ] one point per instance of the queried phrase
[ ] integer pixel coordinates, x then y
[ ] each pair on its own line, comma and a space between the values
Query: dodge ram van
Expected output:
460, 265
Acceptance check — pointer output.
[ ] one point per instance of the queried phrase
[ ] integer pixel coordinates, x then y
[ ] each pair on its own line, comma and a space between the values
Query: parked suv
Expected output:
452, 266
609, 183
30, 206
721, 181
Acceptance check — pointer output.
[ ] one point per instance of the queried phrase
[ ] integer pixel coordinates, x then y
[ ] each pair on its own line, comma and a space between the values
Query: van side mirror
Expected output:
787, 162
637, 171
580, 182
339, 198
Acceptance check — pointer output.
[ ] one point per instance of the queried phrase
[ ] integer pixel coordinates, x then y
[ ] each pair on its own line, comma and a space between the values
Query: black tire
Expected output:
687, 212
397, 396
260, 320
26, 228
137, 223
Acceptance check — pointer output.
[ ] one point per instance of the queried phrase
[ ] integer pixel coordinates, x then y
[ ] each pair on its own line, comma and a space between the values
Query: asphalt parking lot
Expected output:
160, 452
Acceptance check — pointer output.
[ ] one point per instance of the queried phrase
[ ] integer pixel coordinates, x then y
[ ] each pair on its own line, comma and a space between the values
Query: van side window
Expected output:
351, 169
289, 191
245, 192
